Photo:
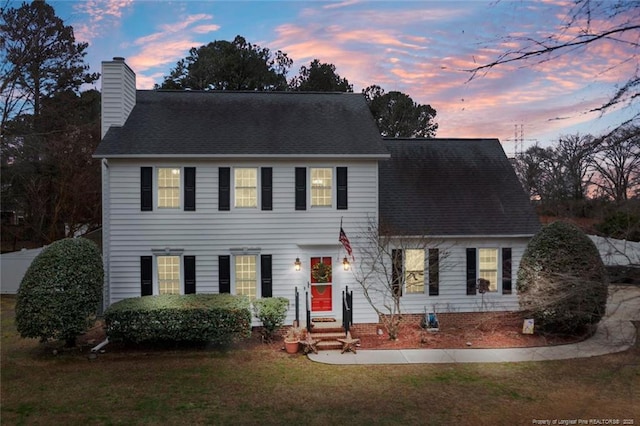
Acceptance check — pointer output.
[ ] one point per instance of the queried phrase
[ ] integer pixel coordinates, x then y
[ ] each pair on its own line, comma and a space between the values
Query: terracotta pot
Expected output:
292, 347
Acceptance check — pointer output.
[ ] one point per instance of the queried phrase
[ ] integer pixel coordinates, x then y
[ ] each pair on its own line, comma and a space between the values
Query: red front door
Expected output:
321, 287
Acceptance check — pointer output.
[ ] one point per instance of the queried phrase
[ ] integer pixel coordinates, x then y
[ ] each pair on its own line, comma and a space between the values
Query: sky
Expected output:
421, 48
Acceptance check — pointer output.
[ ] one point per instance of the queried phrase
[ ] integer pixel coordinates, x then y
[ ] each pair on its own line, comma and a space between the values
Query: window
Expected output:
246, 277
488, 266
168, 188
321, 181
414, 271
169, 274
246, 187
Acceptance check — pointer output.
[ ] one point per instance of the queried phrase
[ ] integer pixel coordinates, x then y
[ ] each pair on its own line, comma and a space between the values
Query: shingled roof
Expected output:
446, 187
193, 124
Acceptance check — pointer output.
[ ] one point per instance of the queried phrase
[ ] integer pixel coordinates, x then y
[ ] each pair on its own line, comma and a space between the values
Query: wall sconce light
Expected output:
345, 264
297, 264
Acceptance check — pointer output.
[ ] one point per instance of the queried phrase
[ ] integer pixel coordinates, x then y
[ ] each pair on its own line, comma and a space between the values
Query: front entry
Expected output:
321, 285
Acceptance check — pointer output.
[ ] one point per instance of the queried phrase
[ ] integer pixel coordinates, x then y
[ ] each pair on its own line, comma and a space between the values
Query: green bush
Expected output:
215, 318
621, 225
562, 282
60, 293
272, 311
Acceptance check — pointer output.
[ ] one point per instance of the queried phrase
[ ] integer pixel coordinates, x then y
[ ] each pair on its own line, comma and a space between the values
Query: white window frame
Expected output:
256, 280
256, 200
331, 188
406, 271
157, 187
494, 287
157, 253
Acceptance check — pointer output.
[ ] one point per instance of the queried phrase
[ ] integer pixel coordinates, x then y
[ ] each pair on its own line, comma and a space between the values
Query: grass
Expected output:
265, 386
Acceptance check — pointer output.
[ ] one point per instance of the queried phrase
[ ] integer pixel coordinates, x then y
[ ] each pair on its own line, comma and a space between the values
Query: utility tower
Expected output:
518, 139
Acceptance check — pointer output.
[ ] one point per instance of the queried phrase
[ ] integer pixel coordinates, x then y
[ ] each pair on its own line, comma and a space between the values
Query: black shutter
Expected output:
266, 180
190, 189
506, 271
146, 189
224, 188
146, 275
301, 188
189, 275
471, 271
434, 272
265, 275
224, 274
341, 177
396, 272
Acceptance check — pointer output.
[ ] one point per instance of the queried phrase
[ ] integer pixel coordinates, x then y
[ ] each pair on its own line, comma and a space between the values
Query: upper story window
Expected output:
169, 188
246, 187
321, 187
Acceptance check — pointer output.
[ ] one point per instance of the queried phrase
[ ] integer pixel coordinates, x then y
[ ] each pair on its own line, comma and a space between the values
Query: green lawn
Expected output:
266, 386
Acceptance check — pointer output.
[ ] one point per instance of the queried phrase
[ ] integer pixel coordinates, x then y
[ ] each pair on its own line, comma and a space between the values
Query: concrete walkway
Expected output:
615, 333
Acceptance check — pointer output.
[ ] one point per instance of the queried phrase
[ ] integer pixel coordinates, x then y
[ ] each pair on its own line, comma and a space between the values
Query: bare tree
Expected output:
588, 23
559, 173
390, 265
618, 164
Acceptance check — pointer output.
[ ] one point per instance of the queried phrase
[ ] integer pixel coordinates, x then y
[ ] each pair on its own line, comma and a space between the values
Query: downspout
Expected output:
106, 254
100, 345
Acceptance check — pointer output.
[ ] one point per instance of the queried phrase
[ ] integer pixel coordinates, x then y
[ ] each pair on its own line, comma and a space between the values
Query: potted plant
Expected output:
292, 339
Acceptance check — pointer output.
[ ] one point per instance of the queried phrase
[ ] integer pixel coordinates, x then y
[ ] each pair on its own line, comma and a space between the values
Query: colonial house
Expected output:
246, 193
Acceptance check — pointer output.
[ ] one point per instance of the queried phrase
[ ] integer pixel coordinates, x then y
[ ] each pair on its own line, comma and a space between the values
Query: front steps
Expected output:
328, 333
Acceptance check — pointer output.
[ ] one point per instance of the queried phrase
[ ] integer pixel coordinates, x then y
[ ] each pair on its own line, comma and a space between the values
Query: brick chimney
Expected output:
118, 93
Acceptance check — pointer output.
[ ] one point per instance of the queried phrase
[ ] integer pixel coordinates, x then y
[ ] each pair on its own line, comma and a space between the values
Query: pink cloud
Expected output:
103, 15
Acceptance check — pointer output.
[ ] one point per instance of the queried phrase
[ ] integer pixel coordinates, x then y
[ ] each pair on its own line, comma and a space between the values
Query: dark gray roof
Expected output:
452, 187
190, 123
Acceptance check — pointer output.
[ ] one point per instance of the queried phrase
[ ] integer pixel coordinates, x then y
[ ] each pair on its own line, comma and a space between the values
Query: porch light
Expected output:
345, 264
297, 264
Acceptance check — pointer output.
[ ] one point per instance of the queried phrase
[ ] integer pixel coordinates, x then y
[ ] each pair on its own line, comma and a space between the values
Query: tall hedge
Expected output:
562, 281
60, 293
216, 318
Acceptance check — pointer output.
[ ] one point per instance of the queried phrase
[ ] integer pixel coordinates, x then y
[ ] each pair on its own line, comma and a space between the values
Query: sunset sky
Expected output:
421, 48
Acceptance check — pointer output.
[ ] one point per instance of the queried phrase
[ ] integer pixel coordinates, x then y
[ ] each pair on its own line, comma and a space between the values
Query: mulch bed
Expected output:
498, 335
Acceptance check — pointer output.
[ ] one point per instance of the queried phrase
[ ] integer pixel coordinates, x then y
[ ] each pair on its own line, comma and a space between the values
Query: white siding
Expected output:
453, 279
118, 93
284, 233
207, 233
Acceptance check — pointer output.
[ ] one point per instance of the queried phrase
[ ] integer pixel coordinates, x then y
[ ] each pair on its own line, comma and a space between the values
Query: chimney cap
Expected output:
118, 59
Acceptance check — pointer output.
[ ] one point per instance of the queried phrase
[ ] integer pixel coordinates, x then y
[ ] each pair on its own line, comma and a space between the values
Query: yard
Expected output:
245, 385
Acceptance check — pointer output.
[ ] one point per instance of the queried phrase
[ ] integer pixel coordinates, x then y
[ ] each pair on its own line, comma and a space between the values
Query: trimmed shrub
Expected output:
59, 295
215, 318
562, 281
272, 311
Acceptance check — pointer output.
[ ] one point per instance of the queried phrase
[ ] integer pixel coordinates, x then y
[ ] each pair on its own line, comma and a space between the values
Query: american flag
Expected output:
345, 242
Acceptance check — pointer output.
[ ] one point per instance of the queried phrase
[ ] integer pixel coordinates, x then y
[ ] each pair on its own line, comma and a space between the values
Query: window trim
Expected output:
500, 269
156, 188
256, 188
497, 271
234, 278
405, 271
156, 275
332, 188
